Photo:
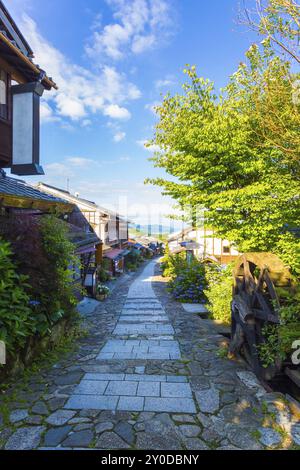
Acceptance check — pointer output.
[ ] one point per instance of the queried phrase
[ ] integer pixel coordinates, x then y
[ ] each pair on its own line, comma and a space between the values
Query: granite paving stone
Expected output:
102, 427
103, 377
55, 436
149, 389
131, 403
26, 438
208, 400
111, 441
60, 417
18, 415
91, 387
269, 437
172, 405
92, 402
176, 390
121, 388
79, 439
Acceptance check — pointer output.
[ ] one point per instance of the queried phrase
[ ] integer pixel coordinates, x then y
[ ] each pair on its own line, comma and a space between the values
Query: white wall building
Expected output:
204, 245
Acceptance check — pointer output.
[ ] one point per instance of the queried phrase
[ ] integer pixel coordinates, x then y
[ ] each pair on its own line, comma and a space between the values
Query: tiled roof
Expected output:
68, 194
15, 187
81, 238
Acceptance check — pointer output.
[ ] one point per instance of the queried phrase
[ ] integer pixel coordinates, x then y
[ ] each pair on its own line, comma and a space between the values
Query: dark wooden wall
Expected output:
5, 143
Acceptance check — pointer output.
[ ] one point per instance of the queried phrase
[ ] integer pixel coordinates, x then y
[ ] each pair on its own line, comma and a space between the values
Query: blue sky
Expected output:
112, 60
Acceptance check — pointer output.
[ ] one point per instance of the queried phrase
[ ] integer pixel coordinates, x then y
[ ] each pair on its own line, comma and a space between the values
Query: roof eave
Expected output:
47, 82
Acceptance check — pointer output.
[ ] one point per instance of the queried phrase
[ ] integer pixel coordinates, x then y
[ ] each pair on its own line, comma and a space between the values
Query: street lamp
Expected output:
26, 129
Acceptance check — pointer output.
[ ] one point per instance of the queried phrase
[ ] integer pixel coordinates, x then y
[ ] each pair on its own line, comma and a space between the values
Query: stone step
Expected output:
140, 349
142, 319
143, 329
133, 392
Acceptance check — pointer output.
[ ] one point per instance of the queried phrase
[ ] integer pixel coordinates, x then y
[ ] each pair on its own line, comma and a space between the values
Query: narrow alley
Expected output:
148, 376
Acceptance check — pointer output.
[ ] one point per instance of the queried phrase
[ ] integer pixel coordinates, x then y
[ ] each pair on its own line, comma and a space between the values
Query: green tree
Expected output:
224, 155
278, 21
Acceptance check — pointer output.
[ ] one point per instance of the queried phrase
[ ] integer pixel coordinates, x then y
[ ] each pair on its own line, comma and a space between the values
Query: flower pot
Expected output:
101, 296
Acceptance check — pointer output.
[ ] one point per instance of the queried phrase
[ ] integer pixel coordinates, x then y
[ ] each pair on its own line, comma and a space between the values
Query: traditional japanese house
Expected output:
203, 244
18, 198
22, 83
109, 226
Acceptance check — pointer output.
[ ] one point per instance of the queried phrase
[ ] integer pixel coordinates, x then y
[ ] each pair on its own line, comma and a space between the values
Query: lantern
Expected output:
90, 281
26, 129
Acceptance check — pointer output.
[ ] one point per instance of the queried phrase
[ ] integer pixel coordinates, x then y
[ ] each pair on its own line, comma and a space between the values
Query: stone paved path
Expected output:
149, 375
144, 332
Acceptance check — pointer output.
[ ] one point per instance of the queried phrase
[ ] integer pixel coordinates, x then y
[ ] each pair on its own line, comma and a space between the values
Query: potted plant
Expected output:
102, 292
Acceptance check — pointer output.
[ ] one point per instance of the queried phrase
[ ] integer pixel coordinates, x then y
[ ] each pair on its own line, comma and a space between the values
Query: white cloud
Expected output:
46, 113
69, 167
81, 92
125, 159
139, 26
151, 106
86, 123
152, 148
142, 43
80, 161
115, 111
166, 82
119, 136
58, 169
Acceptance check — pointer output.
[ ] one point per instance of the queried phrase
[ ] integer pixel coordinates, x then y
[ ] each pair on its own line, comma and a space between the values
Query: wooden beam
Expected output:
15, 74
26, 61
20, 202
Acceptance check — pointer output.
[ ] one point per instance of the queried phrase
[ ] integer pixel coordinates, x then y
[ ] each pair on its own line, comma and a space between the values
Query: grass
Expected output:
256, 435
222, 352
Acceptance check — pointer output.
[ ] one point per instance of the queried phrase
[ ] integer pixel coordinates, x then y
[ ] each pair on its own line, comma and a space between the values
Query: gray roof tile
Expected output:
15, 187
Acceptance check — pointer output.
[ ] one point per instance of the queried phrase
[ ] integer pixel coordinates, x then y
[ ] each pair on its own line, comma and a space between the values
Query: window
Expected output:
3, 95
226, 249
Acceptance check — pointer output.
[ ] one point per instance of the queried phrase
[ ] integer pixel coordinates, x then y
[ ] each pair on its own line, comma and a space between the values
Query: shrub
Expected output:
219, 292
133, 260
103, 275
280, 338
173, 265
131, 266
188, 286
16, 319
57, 296
43, 254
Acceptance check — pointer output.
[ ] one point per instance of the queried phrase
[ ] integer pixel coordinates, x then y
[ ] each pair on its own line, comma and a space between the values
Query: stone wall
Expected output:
36, 345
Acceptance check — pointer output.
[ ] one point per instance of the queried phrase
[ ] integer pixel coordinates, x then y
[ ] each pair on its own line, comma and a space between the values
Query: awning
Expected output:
114, 254
84, 250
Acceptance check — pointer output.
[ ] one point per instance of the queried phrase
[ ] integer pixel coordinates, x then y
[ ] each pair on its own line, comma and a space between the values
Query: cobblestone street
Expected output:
148, 376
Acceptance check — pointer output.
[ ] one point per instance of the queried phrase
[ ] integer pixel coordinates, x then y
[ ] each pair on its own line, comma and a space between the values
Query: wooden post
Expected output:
99, 254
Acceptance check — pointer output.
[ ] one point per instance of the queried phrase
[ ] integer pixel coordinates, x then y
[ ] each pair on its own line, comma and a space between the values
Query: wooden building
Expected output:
22, 83
18, 198
204, 245
110, 227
